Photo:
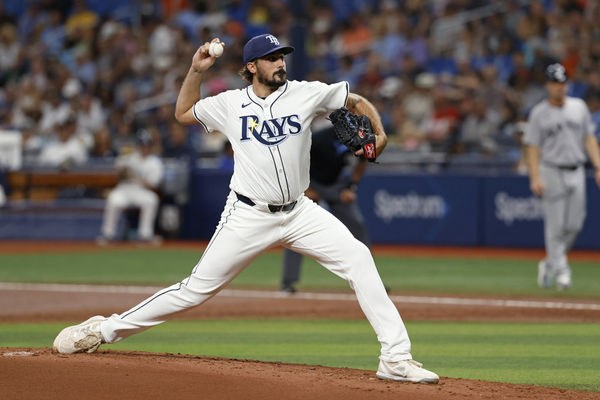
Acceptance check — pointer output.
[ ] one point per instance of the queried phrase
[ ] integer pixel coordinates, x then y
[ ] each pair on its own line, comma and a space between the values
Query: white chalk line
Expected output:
269, 294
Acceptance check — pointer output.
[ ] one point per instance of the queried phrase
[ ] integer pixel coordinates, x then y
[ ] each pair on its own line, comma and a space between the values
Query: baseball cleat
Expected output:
288, 288
563, 281
406, 371
79, 338
543, 279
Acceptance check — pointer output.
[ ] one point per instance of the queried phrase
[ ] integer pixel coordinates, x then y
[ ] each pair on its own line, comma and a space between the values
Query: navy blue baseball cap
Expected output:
261, 45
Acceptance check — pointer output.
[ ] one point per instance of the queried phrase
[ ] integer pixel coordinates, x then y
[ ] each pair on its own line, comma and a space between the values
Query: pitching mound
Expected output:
38, 373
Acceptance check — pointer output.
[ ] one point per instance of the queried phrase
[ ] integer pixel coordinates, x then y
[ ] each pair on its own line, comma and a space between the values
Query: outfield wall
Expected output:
437, 209
440, 209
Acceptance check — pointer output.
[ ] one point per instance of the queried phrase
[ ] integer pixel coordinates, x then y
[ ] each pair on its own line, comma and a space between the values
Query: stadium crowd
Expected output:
451, 76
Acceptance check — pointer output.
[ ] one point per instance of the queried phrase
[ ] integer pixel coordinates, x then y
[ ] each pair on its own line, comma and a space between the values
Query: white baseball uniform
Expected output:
266, 207
560, 133
145, 173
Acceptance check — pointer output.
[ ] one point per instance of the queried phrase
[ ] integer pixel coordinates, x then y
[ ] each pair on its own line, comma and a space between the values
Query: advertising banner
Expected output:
513, 216
421, 209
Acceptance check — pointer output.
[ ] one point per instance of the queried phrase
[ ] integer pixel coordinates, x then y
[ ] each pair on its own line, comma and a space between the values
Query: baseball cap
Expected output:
556, 73
261, 45
144, 138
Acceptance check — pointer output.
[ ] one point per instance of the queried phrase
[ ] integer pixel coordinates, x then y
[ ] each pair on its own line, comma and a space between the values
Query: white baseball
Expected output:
215, 49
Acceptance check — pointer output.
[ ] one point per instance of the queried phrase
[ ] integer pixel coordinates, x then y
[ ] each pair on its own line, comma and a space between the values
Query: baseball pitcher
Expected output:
268, 125
559, 132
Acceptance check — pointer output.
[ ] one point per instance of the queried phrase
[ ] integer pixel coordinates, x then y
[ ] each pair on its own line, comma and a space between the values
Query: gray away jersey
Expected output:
559, 132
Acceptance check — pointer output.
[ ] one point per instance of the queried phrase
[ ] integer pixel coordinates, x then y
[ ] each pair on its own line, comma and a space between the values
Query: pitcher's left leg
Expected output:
318, 234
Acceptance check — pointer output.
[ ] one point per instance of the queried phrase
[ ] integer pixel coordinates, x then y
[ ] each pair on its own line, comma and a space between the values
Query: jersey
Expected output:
149, 169
58, 152
560, 132
271, 137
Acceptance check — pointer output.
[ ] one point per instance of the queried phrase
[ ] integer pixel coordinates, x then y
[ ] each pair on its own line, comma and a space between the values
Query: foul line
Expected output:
267, 294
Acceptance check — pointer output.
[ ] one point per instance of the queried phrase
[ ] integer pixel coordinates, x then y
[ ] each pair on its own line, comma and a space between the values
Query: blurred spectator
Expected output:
490, 89
418, 104
26, 111
90, 118
85, 68
406, 134
441, 128
177, 145
120, 64
67, 150
81, 21
508, 126
478, 128
10, 53
54, 33
54, 110
103, 144
593, 102
123, 139
354, 38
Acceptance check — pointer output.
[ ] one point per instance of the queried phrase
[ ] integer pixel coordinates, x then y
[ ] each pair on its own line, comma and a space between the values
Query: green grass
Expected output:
549, 354
413, 274
560, 355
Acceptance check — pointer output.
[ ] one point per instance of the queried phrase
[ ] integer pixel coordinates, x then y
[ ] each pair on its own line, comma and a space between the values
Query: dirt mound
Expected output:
38, 373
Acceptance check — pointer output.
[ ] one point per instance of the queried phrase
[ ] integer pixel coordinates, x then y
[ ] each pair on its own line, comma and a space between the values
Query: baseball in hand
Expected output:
215, 49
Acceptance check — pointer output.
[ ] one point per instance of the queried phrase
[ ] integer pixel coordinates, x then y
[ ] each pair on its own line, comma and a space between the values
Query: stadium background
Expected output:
453, 81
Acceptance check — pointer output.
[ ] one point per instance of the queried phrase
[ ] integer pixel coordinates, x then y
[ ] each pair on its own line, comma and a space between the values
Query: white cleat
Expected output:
406, 371
563, 281
79, 338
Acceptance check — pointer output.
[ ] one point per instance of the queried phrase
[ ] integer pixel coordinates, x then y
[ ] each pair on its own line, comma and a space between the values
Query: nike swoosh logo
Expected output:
246, 105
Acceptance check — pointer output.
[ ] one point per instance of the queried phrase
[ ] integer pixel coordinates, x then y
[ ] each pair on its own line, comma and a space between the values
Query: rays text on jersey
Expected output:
270, 132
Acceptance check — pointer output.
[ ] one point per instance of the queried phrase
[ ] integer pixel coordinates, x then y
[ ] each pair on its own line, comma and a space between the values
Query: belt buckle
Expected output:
282, 207
275, 208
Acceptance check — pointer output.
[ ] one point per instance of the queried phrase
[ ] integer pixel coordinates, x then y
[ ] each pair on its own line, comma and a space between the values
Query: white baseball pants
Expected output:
564, 204
242, 234
130, 195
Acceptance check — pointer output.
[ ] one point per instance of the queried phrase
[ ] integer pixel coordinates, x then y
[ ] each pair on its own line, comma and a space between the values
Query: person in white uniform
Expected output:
66, 150
141, 172
559, 133
268, 125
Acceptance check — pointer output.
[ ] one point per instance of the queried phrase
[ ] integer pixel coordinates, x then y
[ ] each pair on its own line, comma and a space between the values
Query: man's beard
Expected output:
278, 79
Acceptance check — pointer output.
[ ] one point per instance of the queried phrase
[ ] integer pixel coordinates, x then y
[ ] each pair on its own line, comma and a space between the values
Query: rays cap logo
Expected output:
261, 45
556, 73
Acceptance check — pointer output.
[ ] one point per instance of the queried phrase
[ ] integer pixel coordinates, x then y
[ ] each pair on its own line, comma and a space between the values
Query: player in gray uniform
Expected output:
559, 132
268, 126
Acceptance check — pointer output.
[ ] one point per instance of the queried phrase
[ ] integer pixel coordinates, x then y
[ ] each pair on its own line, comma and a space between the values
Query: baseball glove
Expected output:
354, 131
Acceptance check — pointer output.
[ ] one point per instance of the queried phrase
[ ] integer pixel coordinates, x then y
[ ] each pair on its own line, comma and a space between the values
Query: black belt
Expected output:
568, 167
272, 207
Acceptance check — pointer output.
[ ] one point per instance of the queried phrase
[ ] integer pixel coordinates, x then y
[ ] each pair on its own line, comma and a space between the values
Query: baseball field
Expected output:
475, 317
